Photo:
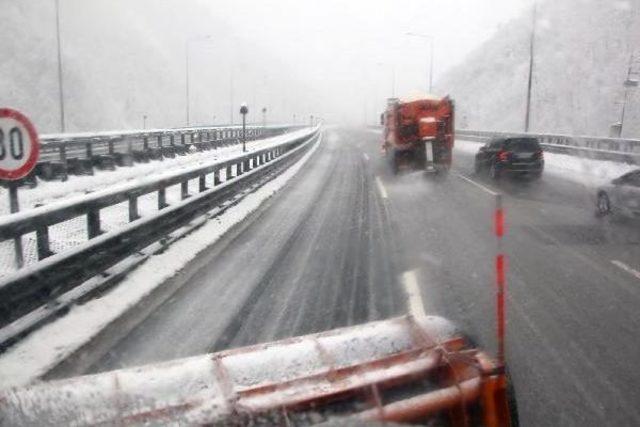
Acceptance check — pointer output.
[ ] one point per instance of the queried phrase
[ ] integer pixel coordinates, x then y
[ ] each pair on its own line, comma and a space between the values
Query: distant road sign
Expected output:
19, 145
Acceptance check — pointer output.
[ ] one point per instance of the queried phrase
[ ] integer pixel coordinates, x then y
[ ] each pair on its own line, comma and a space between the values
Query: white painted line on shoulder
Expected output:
366, 156
477, 184
383, 191
635, 273
414, 298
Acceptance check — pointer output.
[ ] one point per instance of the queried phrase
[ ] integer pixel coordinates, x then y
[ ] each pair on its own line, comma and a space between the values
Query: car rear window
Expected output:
522, 145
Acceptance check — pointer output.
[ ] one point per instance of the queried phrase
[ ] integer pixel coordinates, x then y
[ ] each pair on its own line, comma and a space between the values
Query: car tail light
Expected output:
503, 156
539, 154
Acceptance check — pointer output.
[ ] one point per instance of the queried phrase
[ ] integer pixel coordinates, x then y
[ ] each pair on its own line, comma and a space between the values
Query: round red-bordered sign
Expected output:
13, 168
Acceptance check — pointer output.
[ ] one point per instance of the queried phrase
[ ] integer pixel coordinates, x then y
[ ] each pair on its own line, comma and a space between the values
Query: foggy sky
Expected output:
126, 58
351, 49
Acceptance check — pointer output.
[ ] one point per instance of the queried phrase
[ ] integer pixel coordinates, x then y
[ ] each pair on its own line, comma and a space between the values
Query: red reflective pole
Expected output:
500, 277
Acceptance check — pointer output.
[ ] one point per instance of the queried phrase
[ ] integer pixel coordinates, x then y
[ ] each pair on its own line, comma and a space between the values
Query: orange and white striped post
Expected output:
500, 265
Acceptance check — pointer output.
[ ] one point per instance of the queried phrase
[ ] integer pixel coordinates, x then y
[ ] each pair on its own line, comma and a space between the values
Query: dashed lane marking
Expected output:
383, 191
416, 307
477, 184
635, 273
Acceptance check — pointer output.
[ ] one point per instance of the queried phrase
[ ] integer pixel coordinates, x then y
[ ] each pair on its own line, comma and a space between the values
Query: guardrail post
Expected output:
111, 147
145, 143
216, 177
162, 198
93, 224
202, 183
184, 190
63, 161
42, 242
229, 173
133, 208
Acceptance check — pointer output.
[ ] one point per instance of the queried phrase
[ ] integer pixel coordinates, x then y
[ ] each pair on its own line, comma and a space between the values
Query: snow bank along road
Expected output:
345, 242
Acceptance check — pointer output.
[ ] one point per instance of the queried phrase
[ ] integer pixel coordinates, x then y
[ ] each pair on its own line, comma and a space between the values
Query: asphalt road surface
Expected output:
335, 246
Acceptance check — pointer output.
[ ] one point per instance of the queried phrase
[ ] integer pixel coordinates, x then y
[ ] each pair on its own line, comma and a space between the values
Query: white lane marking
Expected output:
626, 268
477, 184
416, 308
366, 156
383, 191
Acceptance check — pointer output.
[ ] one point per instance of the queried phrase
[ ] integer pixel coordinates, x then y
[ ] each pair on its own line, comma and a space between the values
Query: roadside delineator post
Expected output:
500, 266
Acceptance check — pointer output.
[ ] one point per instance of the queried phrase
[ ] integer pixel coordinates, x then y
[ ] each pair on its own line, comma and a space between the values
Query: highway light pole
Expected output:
187, 44
629, 83
244, 110
264, 117
60, 80
431, 54
144, 121
527, 117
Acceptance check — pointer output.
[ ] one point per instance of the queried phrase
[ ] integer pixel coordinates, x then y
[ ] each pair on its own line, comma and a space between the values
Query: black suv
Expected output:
514, 156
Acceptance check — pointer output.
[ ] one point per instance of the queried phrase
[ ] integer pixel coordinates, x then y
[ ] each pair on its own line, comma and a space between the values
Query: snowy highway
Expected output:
345, 242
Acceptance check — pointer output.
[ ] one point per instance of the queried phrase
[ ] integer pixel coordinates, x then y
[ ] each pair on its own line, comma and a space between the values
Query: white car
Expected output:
621, 195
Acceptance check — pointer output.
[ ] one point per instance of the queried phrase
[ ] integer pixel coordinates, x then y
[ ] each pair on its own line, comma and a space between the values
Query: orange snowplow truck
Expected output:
419, 133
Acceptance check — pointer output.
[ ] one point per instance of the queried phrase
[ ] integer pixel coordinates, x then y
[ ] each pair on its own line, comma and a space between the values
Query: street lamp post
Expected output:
60, 80
244, 110
629, 83
264, 117
527, 117
431, 54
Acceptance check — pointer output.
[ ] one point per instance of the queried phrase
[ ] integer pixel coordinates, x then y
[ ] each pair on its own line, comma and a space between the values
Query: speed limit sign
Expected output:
19, 145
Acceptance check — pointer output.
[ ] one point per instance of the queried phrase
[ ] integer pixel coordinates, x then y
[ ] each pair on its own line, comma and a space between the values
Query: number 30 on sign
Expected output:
19, 145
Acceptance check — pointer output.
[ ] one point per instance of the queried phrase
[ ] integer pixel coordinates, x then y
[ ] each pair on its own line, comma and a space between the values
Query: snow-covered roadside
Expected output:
47, 192
588, 172
46, 347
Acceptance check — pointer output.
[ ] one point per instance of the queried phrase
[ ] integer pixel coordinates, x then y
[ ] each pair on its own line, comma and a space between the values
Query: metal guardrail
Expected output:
615, 149
62, 155
55, 274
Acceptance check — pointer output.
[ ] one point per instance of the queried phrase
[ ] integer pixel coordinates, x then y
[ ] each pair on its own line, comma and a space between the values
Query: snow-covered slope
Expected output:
582, 51
124, 59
